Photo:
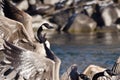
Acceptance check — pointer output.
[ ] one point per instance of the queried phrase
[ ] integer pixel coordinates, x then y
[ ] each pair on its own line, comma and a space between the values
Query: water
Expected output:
83, 49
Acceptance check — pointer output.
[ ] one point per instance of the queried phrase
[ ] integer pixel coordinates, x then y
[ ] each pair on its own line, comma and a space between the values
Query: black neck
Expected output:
97, 75
41, 38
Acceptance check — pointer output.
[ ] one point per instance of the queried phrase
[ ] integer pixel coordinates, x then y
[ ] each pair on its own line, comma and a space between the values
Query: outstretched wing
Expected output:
14, 31
14, 13
27, 63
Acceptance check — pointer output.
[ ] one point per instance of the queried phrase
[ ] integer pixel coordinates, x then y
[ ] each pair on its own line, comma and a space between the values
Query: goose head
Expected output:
45, 26
108, 73
41, 38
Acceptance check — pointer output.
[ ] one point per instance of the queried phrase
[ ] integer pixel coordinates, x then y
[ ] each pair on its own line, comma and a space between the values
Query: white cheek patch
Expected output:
47, 44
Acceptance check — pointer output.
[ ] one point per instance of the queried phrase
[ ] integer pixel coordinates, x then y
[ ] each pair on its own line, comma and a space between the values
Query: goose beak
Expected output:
48, 26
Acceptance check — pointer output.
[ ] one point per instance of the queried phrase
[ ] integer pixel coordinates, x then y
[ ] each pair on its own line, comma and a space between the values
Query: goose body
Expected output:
113, 74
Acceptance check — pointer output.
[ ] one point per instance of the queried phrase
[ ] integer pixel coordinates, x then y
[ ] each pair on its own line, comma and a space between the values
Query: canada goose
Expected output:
50, 55
49, 52
14, 13
107, 73
113, 74
31, 66
55, 60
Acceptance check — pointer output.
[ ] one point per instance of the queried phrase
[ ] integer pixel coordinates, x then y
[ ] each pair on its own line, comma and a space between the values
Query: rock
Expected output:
37, 20
61, 18
82, 23
23, 5
32, 2
52, 2
109, 15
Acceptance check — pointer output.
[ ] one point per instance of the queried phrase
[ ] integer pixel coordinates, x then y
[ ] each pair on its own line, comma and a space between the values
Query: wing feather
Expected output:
28, 63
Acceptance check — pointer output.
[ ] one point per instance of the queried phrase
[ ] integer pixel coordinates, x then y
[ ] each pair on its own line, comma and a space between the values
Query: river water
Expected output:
83, 49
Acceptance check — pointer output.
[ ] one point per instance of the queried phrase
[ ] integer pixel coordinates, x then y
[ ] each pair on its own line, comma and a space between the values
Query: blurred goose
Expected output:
113, 74
27, 64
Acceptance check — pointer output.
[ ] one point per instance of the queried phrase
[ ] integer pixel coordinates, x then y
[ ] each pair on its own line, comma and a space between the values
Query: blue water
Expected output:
83, 49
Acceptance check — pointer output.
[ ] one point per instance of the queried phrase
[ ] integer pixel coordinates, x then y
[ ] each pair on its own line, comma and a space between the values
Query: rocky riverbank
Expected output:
74, 16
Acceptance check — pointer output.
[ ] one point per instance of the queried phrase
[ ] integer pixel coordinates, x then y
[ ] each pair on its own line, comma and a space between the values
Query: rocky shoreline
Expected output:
74, 16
